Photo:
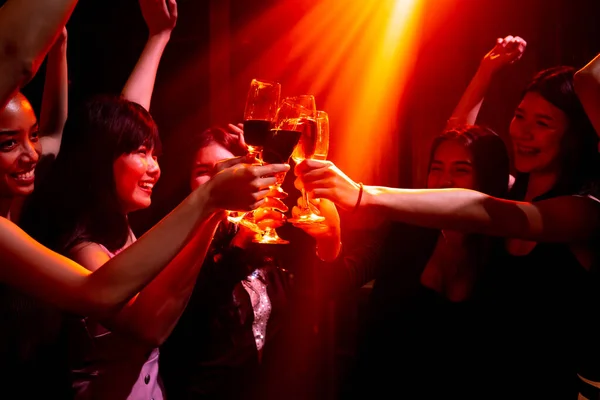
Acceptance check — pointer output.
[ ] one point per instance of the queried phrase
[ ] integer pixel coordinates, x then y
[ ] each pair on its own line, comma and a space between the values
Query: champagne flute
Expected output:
278, 148
316, 149
259, 113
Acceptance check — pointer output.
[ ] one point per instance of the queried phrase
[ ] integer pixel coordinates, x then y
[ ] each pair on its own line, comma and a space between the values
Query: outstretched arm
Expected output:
28, 28
55, 99
561, 219
35, 270
505, 52
152, 314
587, 87
160, 17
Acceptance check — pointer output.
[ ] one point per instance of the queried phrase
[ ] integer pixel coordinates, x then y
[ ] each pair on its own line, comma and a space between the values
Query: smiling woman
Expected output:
20, 149
106, 170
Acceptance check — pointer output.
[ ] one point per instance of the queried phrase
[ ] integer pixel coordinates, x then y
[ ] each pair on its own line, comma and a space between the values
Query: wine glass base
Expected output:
309, 219
269, 239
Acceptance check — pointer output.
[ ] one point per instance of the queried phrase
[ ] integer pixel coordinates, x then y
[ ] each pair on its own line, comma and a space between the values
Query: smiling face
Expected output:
20, 148
536, 131
135, 175
451, 167
204, 163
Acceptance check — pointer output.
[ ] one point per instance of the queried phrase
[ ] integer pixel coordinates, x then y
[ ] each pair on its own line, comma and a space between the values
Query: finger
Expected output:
298, 184
307, 165
173, 9
508, 39
321, 174
165, 7
260, 198
235, 129
270, 169
278, 194
275, 204
230, 162
267, 213
296, 211
264, 183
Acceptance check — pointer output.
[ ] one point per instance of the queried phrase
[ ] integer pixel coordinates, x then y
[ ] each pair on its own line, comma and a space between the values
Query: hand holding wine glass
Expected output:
291, 119
259, 113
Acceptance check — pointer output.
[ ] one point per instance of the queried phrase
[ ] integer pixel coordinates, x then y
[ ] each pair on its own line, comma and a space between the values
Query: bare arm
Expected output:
561, 219
506, 51
55, 98
587, 87
153, 313
35, 270
27, 30
160, 17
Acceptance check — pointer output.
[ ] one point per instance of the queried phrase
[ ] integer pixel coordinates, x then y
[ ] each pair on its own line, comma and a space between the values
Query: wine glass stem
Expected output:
305, 198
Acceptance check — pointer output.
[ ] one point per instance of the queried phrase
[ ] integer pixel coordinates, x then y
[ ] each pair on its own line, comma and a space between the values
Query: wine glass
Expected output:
313, 147
291, 118
259, 113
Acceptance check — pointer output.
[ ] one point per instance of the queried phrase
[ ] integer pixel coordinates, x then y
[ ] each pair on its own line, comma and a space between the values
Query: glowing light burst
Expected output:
355, 57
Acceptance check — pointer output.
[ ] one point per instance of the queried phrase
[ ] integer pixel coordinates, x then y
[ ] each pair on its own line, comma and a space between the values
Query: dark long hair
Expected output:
579, 144
77, 202
491, 164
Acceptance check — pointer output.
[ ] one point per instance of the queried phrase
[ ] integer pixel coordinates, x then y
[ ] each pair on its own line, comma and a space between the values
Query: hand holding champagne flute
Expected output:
314, 144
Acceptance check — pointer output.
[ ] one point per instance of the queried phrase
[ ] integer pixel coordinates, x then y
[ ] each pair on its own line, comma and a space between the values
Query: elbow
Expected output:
23, 67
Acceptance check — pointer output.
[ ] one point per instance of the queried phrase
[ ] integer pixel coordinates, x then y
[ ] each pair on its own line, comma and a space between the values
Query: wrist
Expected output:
202, 200
160, 37
485, 71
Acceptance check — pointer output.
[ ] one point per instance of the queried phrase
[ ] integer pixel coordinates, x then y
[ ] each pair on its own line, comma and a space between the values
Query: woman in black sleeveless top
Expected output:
555, 154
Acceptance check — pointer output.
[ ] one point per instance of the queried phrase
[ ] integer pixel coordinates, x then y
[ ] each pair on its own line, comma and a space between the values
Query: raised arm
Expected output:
160, 17
28, 28
35, 270
561, 219
505, 52
587, 87
55, 98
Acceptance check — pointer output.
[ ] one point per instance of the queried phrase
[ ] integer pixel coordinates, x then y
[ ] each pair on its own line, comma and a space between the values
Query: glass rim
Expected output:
267, 81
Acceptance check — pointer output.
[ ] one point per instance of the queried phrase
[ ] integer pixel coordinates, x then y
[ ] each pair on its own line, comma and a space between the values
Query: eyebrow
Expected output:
537, 115
466, 163
454, 162
16, 132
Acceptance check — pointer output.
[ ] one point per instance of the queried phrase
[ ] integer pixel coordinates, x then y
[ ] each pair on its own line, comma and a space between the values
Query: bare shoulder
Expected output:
90, 255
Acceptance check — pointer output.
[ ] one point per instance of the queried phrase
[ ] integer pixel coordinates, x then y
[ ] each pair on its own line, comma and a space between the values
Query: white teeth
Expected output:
146, 185
26, 175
